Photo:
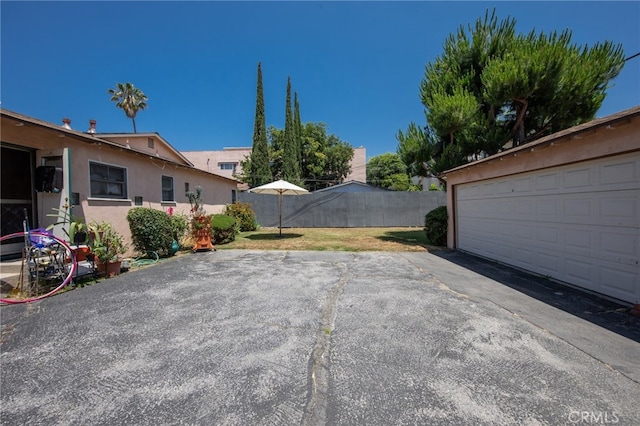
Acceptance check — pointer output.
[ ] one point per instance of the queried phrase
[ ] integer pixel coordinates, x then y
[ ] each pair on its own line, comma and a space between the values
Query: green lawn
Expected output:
337, 239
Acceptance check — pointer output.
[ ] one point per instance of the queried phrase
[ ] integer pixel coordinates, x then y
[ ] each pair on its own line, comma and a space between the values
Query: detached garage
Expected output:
566, 206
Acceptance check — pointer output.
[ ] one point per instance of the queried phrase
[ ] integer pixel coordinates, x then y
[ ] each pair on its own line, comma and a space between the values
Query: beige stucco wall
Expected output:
602, 138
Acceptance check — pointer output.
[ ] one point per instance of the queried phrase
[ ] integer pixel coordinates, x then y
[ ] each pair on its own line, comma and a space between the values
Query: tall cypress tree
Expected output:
290, 166
297, 126
260, 172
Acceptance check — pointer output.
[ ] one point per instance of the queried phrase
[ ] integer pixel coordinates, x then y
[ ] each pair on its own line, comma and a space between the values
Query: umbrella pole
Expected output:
280, 211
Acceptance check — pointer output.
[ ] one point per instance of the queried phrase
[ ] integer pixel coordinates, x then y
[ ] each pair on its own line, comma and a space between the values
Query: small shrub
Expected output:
435, 226
244, 215
151, 230
223, 228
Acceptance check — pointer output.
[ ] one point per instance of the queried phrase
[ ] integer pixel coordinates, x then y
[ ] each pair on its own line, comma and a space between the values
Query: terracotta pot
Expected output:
109, 269
81, 253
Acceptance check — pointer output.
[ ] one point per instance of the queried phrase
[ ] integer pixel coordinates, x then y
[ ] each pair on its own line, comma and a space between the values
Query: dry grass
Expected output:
335, 239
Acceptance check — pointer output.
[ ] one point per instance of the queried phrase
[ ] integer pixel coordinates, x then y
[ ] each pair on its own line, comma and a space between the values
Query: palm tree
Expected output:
130, 99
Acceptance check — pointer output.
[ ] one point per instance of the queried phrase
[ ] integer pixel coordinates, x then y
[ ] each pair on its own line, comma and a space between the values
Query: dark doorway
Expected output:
16, 194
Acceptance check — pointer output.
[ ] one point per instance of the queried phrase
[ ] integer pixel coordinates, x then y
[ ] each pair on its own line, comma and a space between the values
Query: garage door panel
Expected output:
579, 178
579, 239
524, 233
578, 209
578, 223
524, 256
621, 209
504, 188
524, 208
547, 181
619, 172
524, 185
580, 272
548, 210
548, 235
549, 264
621, 247
615, 280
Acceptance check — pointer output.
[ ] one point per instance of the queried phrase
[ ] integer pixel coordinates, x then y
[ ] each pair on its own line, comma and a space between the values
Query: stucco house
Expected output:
100, 175
566, 206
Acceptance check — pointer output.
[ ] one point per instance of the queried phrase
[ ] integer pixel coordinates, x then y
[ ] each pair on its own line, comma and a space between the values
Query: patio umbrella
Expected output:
279, 188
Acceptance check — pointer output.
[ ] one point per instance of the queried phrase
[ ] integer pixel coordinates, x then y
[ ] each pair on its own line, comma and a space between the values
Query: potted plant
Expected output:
77, 227
200, 221
108, 247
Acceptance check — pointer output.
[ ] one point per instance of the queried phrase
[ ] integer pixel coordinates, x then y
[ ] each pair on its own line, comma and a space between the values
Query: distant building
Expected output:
227, 162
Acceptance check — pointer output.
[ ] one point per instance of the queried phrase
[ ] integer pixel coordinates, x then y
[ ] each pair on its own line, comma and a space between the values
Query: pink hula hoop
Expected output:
72, 270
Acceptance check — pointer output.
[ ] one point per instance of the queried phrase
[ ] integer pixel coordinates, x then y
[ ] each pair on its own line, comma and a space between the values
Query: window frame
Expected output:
162, 187
94, 181
231, 165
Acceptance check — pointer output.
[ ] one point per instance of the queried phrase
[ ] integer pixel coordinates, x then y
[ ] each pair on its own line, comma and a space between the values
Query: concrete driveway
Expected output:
287, 338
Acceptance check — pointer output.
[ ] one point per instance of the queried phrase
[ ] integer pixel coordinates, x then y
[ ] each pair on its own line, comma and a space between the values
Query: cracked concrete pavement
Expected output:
238, 337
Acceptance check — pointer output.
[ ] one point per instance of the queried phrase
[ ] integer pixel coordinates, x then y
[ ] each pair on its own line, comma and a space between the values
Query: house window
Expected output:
167, 188
150, 143
107, 181
227, 166
186, 188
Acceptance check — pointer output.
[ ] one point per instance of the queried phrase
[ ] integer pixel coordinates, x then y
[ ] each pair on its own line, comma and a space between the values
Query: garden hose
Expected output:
144, 261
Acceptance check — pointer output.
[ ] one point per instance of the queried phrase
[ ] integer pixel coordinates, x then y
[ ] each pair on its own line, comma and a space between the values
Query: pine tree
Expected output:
290, 168
493, 88
260, 172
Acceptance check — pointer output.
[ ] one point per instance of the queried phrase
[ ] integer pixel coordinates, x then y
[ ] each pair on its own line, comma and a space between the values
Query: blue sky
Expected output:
356, 66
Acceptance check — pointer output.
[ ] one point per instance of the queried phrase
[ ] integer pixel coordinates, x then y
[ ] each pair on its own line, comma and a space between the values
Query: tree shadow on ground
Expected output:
272, 237
590, 307
409, 238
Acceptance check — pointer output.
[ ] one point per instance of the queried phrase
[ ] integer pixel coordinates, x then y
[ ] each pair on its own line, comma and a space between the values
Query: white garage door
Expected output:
578, 223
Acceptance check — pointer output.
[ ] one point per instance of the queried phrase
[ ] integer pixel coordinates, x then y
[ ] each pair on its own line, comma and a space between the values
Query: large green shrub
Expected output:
223, 228
435, 226
151, 230
244, 215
